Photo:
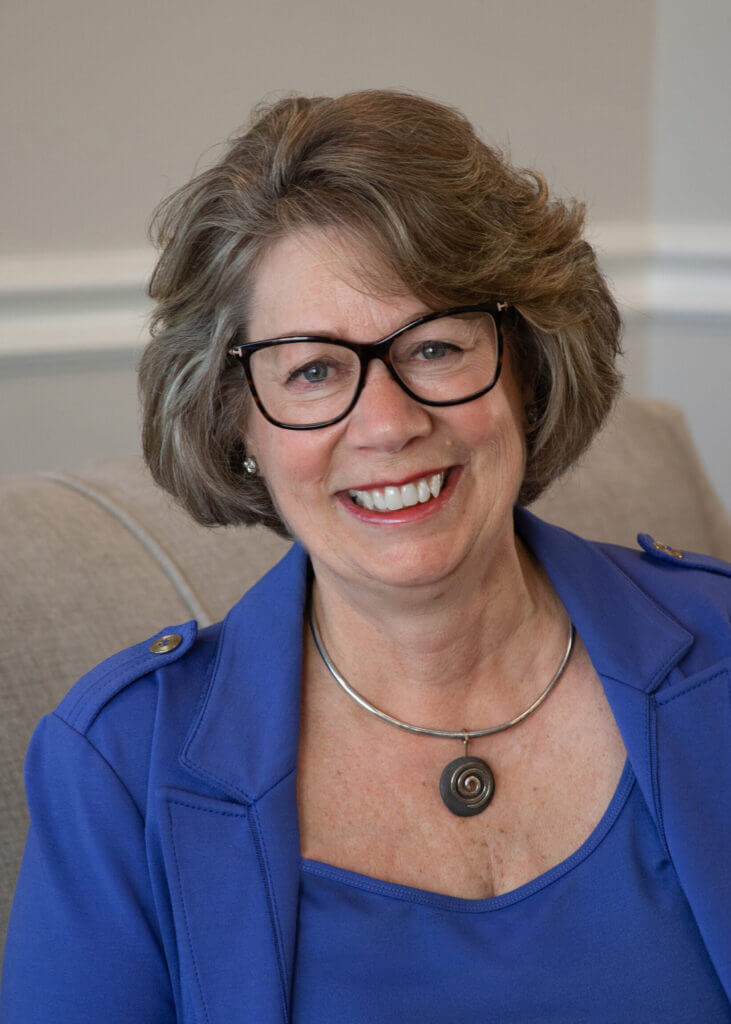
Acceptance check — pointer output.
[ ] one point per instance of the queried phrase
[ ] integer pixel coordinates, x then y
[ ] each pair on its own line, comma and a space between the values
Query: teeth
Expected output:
391, 499
409, 495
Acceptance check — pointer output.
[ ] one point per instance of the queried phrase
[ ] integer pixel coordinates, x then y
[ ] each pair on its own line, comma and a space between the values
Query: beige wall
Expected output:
106, 107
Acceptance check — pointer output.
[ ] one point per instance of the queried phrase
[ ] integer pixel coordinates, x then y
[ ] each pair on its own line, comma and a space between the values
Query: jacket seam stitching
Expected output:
181, 897
143, 822
277, 783
276, 927
90, 691
695, 686
655, 778
209, 674
209, 810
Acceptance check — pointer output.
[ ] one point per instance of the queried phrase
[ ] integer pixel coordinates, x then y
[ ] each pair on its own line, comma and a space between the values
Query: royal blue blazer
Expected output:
160, 876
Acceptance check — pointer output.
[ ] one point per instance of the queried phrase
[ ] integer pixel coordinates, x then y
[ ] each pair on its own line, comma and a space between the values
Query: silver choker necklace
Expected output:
467, 784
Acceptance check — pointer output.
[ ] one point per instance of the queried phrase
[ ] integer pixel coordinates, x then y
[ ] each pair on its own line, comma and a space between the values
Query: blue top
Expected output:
606, 935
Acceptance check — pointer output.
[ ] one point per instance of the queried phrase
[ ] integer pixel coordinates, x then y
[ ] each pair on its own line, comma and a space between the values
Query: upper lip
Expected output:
398, 483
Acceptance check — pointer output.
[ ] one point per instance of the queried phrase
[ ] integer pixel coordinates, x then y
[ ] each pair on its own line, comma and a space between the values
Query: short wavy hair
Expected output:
407, 180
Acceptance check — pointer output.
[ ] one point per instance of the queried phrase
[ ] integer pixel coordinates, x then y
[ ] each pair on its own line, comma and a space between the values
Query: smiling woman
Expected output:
440, 733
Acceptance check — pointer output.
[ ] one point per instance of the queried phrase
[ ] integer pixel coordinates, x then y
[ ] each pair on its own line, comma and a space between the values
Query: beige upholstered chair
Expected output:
97, 558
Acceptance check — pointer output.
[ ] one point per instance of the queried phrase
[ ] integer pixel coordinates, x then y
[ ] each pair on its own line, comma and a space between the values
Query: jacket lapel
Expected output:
225, 963
633, 643
676, 736
693, 723
231, 857
234, 853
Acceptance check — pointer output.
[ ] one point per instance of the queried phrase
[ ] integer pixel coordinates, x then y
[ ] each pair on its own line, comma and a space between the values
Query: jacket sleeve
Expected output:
82, 942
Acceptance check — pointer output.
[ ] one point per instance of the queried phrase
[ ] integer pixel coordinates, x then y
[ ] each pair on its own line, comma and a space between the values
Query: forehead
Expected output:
310, 281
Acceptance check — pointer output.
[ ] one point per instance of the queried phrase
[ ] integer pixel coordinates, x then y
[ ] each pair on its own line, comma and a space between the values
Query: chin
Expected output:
416, 565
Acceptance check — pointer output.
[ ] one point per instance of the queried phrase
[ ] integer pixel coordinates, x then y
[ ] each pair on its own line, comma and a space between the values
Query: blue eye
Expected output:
315, 372
434, 350
312, 373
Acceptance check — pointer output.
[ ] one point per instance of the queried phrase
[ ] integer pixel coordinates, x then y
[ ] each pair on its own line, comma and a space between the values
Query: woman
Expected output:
445, 761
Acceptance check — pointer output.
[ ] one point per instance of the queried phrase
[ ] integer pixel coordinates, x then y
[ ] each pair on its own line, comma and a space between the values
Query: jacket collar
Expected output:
245, 737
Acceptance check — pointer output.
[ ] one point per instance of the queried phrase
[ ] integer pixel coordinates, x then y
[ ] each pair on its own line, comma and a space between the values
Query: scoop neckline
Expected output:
460, 904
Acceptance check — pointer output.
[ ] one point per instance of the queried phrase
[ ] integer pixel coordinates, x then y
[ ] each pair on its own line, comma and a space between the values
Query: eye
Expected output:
311, 373
435, 349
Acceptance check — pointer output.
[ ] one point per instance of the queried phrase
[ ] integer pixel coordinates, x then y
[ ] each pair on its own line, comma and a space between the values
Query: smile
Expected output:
393, 498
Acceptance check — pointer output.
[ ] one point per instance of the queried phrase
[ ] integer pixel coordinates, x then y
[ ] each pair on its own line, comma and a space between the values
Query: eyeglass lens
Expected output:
444, 360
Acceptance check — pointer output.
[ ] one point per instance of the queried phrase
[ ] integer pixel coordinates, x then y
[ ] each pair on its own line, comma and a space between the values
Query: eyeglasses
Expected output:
306, 382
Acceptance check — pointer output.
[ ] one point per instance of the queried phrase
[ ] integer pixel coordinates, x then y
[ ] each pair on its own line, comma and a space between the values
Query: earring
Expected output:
250, 465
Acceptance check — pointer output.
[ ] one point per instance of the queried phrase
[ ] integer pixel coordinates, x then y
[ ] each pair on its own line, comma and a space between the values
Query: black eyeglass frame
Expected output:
367, 351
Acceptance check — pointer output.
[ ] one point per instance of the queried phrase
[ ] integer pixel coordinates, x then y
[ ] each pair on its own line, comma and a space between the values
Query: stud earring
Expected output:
531, 413
250, 465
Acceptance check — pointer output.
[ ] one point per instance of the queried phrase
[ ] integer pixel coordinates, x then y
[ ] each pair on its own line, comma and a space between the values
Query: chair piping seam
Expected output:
160, 556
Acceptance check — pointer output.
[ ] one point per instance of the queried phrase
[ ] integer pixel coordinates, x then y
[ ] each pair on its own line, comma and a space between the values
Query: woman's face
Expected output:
388, 438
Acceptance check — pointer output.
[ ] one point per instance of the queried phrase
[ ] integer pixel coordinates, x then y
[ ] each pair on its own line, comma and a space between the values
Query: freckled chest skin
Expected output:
368, 793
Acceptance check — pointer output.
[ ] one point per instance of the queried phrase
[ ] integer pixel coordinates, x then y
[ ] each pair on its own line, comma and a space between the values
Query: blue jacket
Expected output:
160, 876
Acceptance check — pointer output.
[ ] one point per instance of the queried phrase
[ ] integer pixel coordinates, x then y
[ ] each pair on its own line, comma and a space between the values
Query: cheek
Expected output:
489, 422
494, 442
293, 463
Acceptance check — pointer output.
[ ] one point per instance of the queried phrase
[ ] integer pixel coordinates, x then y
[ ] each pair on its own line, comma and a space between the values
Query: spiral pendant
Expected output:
467, 786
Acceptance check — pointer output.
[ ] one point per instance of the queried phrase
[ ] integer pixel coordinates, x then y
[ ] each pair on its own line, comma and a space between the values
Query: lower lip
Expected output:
404, 515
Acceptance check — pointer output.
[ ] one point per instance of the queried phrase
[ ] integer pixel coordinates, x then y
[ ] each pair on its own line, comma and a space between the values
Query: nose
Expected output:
385, 417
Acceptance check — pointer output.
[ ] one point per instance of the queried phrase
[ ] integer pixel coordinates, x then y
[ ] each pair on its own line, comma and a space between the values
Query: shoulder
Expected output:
94, 690
670, 567
141, 701
140, 698
694, 588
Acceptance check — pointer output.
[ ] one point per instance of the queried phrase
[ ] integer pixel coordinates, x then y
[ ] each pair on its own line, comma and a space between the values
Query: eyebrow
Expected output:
333, 335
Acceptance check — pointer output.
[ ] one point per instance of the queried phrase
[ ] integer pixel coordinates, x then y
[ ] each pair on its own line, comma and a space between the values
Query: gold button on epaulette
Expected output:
163, 644
671, 551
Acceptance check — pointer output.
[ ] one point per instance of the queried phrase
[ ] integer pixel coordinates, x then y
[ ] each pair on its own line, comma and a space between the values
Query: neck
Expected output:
468, 652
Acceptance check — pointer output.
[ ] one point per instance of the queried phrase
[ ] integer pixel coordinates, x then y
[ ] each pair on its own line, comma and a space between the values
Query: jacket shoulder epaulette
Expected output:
88, 696
678, 556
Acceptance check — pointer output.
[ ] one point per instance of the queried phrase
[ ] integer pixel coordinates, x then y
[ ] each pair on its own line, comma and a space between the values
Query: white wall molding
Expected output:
668, 270
67, 272
74, 302
96, 301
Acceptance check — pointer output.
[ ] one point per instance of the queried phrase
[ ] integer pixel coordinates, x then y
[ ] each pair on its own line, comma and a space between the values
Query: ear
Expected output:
245, 432
528, 412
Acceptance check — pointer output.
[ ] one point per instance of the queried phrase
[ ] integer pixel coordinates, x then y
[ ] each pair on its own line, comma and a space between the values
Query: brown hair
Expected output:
445, 213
